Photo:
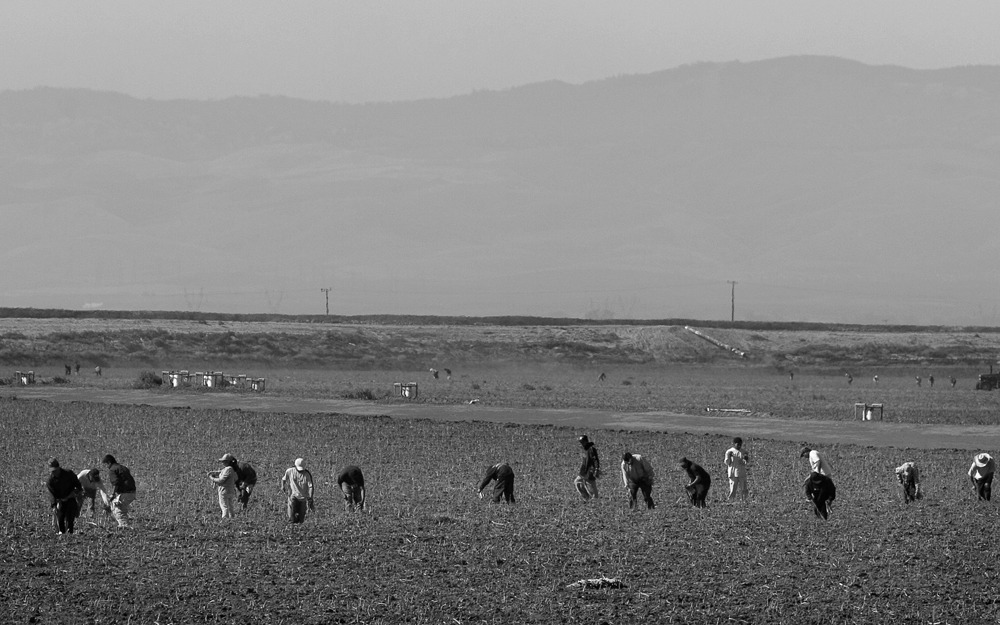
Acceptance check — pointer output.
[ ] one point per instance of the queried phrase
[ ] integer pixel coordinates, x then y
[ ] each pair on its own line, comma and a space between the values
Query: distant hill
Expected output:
828, 190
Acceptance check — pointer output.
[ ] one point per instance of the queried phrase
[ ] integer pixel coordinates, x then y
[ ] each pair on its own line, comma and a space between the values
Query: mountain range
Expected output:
792, 189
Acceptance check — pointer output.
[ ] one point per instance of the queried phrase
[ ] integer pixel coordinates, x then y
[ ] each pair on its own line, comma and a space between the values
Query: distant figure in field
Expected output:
930, 380
953, 381
821, 492
736, 467
352, 483
590, 470
875, 379
637, 474
791, 376
225, 482
122, 487
909, 478
90, 481
297, 483
77, 367
701, 481
918, 380
849, 377
602, 377
434, 372
65, 490
97, 371
69, 370
981, 473
447, 372
504, 487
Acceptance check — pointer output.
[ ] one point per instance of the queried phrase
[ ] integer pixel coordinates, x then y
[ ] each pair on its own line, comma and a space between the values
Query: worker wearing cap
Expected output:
297, 482
981, 473
590, 470
225, 483
64, 488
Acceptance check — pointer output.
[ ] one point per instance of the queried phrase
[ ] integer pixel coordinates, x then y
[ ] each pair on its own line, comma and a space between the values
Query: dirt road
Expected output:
874, 434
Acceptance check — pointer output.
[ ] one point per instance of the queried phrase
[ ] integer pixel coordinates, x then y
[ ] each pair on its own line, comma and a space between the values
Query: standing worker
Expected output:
637, 474
909, 478
736, 466
122, 486
64, 487
590, 470
504, 476
297, 482
981, 473
352, 483
225, 483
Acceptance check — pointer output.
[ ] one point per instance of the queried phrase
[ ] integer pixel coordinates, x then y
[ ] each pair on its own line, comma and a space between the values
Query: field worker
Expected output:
821, 492
122, 486
298, 484
225, 483
981, 474
352, 483
64, 488
637, 474
736, 467
90, 480
816, 463
246, 480
909, 478
504, 487
590, 470
701, 481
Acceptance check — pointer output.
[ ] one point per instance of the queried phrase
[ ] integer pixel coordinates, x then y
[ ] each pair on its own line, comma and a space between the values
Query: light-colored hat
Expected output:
227, 458
983, 459
300, 464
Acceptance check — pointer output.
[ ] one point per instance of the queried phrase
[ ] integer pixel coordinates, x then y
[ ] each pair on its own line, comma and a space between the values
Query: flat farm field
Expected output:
429, 551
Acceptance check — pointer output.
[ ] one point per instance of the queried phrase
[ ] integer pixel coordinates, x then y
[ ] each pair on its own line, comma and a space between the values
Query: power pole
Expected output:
732, 301
327, 291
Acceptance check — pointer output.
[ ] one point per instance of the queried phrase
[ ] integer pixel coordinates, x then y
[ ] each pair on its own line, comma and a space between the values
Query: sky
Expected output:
412, 49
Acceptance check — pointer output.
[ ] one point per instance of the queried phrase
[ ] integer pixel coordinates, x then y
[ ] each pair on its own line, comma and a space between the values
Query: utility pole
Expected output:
732, 301
327, 291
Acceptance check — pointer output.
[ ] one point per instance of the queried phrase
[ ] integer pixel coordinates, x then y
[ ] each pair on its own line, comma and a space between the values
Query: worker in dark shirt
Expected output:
504, 486
122, 486
65, 489
701, 481
352, 482
590, 470
246, 478
821, 491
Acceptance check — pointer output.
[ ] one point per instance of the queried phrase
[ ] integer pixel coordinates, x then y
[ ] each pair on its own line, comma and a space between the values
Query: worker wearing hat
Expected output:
981, 473
298, 484
590, 470
225, 483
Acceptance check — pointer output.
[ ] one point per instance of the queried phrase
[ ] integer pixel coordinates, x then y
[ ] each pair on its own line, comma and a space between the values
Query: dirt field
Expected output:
875, 434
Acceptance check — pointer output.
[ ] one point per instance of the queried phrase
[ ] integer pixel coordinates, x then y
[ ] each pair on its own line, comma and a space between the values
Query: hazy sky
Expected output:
407, 49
